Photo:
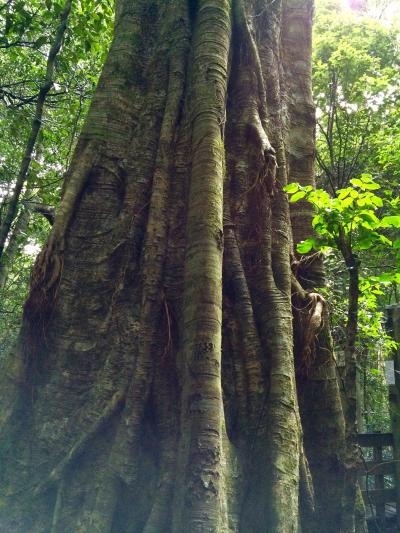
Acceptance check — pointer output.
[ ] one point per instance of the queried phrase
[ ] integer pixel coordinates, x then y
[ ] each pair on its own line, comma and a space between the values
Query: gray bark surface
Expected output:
154, 386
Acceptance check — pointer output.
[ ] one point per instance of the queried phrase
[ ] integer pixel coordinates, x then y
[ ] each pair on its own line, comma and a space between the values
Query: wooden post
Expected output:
377, 467
393, 327
360, 397
379, 485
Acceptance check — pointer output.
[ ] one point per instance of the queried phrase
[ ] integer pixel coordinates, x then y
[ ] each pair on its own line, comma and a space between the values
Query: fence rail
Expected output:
375, 473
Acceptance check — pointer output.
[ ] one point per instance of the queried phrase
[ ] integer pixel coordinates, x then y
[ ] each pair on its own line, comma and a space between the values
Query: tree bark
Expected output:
318, 391
353, 460
154, 387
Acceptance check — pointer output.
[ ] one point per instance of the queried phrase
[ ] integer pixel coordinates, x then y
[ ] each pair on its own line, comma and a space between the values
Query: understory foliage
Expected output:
175, 369
345, 224
27, 31
356, 82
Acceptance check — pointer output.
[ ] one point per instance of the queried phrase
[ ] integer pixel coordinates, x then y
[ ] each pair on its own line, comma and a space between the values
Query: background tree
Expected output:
26, 33
348, 224
356, 81
153, 385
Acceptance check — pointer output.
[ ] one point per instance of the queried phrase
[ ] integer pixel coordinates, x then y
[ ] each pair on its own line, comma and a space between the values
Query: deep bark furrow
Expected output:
167, 276
318, 391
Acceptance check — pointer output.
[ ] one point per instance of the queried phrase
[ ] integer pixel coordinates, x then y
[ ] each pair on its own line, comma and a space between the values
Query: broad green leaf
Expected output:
291, 188
297, 196
305, 246
347, 202
375, 371
378, 202
369, 216
365, 244
364, 186
357, 183
385, 240
354, 193
343, 193
366, 178
371, 186
391, 222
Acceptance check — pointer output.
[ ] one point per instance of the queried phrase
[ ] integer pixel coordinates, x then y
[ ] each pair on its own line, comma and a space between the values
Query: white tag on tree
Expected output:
389, 372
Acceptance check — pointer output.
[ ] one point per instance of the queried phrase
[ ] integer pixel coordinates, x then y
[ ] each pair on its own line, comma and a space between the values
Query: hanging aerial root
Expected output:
242, 311
309, 269
46, 272
116, 404
37, 309
251, 93
44, 281
262, 158
57, 507
265, 160
309, 308
313, 321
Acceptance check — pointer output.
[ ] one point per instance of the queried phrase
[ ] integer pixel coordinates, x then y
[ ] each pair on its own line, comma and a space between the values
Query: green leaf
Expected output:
385, 240
364, 186
320, 198
297, 196
365, 244
291, 188
370, 217
357, 183
375, 371
305, 246
377, 201
366, 178
342, 193
347, 202
371, 186
390, 222
385, 277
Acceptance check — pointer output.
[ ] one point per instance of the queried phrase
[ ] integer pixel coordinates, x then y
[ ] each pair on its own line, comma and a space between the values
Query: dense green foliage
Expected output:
356, 87
27, 30
356, 83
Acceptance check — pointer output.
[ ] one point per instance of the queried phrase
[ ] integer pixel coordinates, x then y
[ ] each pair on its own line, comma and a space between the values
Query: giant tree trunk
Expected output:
153, 388
318, 392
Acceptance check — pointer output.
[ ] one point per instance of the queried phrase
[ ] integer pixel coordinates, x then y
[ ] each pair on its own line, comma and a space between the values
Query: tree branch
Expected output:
36, 124
46, 210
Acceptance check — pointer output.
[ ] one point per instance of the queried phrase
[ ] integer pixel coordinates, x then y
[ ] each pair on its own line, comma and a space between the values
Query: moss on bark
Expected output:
154, 386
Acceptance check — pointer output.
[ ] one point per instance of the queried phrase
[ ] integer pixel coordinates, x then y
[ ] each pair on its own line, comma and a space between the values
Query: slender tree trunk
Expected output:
12, 201
16, 240
154, 387
353, 458
21, 225
318, 391
393, 328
